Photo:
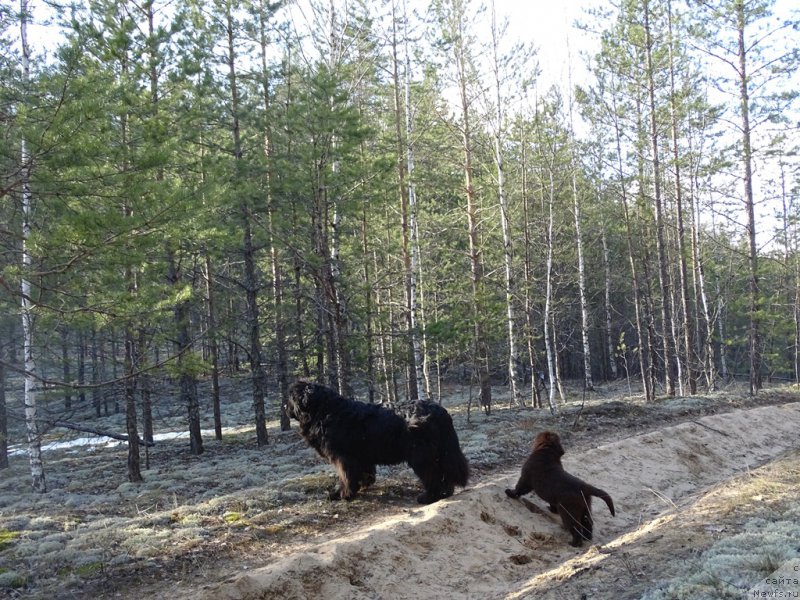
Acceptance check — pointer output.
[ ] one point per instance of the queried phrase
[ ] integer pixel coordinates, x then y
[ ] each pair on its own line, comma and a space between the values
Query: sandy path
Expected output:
480, 544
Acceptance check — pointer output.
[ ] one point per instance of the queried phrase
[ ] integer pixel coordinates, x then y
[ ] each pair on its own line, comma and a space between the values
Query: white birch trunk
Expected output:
32, 427
548, 345
587, 352
426, 358
723, 348
700, 281
422, 384
513, 354
576, 211
612, 359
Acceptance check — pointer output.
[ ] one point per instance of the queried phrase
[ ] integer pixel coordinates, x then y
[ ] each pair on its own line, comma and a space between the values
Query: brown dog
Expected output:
566, 495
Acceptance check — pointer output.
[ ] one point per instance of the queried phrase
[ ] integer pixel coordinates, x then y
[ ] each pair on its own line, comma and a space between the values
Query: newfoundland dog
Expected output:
354, 437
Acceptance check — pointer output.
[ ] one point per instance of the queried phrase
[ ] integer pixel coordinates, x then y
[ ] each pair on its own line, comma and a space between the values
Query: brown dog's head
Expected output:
548, 440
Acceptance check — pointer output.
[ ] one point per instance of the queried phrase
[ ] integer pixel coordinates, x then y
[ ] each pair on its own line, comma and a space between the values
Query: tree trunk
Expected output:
281, 367
34, 442
610, 341
213, 348
533, 363
587, 353
413, 268
250, 283
747, 165
425, 354
65, 367
663, 270
134, 462
476, 262
709, 361
187, 382
144, 383
548, 295
97, 393
258, 375
405, 166
369, 317
687, 325
723, 346
638, 304
508, 255
3, 411
299, 331
384, 337
796, 316
645, 283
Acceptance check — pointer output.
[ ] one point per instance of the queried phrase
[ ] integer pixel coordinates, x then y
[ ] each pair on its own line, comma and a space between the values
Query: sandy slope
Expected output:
480, 544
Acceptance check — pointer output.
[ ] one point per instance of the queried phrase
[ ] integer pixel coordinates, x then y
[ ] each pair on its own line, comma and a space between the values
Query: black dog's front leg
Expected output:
351, 473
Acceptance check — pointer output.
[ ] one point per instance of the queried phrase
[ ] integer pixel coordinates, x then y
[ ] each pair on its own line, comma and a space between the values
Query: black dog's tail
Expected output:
431, 425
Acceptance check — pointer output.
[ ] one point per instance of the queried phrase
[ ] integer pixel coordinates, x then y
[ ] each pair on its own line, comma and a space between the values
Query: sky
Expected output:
549, 25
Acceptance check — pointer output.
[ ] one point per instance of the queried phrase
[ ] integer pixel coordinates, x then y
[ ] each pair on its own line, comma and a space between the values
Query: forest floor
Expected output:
705, 488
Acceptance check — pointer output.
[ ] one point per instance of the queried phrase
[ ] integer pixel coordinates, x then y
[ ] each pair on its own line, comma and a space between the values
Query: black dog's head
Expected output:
297, 399
303, 399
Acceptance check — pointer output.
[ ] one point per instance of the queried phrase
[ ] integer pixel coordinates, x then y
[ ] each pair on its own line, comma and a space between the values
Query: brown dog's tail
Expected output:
590, 490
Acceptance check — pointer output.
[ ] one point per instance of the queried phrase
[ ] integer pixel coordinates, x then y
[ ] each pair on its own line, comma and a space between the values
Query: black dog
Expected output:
565, 494
354, 437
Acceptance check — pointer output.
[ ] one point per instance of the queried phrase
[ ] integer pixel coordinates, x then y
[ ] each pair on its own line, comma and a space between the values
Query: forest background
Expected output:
384, 200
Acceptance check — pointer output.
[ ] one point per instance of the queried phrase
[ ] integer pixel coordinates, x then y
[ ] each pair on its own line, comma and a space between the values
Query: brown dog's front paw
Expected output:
511, 493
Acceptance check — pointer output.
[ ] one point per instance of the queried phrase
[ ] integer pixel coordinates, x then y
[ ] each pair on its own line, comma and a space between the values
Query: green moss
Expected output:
232, 517
82, 571
6, 538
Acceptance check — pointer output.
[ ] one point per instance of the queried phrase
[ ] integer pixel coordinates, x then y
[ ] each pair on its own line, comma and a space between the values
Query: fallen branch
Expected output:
710, 428
85, 429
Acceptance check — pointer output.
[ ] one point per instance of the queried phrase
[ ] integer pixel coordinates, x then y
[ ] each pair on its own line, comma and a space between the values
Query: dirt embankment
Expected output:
480, 544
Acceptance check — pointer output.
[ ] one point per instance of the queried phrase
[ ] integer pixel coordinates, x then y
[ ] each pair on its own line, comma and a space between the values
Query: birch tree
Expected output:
576, 213
505, 222
28, 321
